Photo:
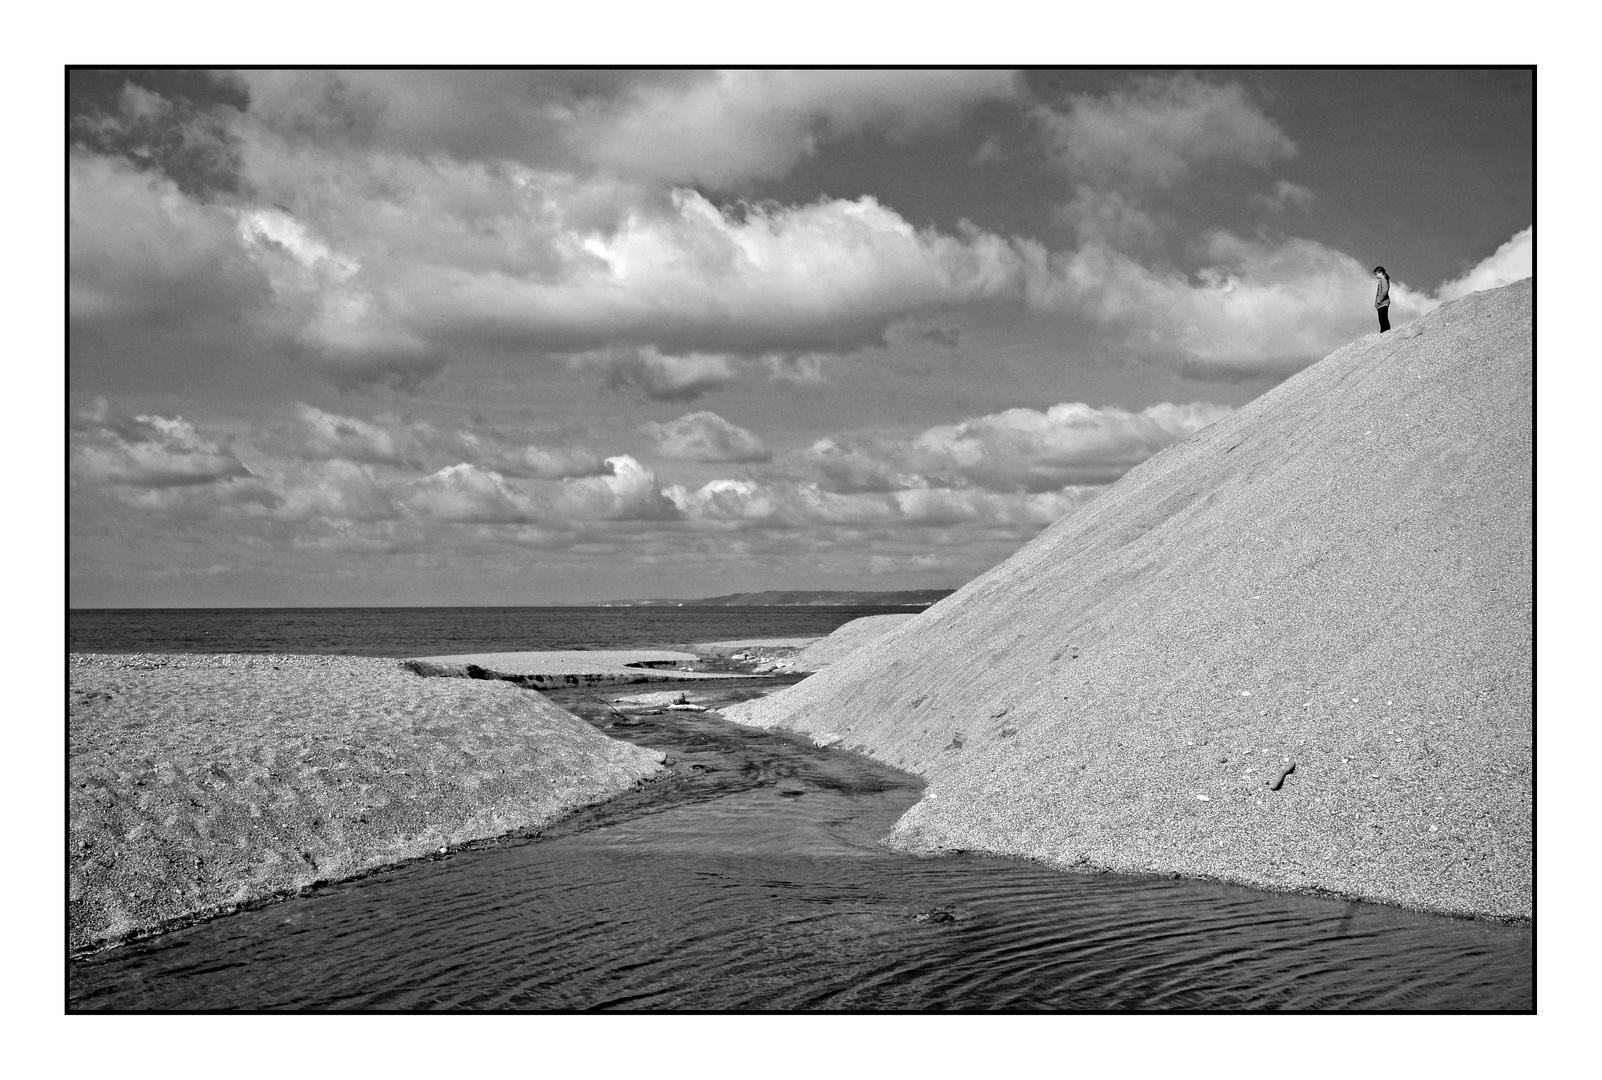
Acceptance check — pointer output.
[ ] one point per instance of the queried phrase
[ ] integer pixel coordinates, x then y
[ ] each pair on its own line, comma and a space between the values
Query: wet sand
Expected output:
550, 669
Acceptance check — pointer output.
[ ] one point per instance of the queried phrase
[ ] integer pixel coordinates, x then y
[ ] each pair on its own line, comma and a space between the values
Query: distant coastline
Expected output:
796, 598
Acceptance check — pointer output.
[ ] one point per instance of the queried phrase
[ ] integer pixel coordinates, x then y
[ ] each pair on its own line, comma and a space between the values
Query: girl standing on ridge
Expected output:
1382, 298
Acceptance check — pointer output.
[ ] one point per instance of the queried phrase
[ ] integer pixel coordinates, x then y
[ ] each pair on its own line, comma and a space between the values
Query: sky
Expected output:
523, 337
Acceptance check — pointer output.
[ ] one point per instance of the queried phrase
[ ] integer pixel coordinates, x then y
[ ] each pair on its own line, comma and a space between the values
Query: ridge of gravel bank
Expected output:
847, 639
1337, 576
200, 784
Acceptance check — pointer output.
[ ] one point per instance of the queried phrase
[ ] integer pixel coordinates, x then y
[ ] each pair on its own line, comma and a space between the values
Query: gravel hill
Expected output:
847, 640
1338, 576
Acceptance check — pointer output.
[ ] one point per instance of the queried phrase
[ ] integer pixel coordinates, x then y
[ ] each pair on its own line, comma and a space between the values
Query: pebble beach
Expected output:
199, 784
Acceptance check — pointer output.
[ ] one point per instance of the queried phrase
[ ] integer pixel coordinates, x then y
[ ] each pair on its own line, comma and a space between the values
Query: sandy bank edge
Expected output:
200, 785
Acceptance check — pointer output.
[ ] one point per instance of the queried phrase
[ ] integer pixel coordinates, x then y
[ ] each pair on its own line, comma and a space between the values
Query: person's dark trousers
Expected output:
1385, 319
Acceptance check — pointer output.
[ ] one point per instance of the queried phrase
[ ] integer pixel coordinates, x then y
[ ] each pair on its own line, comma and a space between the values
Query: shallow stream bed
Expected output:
751, 879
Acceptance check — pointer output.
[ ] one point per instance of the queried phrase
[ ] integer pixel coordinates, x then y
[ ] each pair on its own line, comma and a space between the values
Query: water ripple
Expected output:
727, 895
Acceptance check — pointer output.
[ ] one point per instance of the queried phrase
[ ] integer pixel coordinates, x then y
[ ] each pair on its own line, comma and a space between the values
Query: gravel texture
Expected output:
1336, 576
198, 784
847, 640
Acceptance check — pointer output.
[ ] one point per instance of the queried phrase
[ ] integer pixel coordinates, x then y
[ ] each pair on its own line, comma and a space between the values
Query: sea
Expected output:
439, 631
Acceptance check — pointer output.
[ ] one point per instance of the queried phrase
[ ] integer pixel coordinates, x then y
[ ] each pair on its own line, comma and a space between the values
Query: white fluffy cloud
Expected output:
692, 277
631, 493
376, 269
1254, 306
1511, 262
807, 506
375, 243
1019, 450
1160, 129
466, 493
1071, 443
706, 436
337, 491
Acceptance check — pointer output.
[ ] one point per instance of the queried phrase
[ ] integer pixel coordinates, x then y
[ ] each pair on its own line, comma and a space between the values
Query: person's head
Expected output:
1379, 271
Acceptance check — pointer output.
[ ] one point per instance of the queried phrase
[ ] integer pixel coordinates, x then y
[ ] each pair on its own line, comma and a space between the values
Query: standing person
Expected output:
1382, 298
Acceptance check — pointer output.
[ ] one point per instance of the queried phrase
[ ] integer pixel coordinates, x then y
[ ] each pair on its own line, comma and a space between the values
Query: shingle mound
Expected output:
847, 640
1338, 577
197, 784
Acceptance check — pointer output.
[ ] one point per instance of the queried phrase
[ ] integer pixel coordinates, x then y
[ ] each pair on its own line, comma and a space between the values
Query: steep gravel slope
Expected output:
1337, 576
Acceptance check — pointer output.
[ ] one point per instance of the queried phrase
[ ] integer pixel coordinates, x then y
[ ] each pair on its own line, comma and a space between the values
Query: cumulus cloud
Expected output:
466, 493
631, 493
315, 434
323, 308
661, 377
335, 490
148, 452
706, 436
1254, 306
1511, 262
139, 248
1011, 451
529, 460
375, 235
1016, 471
327, 435
801, 504
1071, 443
695, 277
1160, 129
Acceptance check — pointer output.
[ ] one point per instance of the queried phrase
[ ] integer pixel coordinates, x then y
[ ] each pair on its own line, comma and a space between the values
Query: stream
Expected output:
751, 879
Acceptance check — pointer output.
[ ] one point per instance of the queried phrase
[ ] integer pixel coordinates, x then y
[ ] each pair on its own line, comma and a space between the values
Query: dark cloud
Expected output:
176, 123
715, 129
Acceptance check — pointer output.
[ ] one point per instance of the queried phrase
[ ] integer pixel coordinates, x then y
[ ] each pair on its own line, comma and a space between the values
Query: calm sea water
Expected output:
430, 631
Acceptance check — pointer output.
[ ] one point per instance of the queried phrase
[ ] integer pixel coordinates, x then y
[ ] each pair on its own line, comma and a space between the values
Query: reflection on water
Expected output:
751, 880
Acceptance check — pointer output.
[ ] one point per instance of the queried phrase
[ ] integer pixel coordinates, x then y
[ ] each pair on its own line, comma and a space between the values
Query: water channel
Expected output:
752, 880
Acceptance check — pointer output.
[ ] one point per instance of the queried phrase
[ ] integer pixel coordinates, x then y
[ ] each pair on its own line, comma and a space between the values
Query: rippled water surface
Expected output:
751, 880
